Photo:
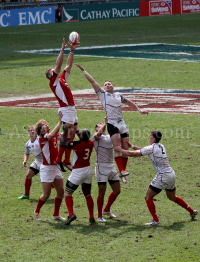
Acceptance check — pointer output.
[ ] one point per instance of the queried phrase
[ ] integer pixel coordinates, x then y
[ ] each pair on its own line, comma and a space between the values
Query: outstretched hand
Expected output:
73, 46
64, 45
80, 67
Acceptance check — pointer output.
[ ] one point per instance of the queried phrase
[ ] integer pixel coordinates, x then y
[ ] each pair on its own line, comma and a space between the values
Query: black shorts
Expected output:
36, 171
112, 130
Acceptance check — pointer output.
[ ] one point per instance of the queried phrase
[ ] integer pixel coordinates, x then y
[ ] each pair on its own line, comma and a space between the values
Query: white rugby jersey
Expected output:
35, 149
111, 104
157, 153
104, 149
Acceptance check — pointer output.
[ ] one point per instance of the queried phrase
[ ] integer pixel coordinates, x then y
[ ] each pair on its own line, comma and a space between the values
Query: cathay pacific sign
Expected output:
101, 11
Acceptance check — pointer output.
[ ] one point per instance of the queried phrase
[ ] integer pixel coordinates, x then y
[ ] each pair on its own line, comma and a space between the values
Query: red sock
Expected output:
70, 205
118, 160
152, 209
124, 162
67, 155
57, 202
39, 205
90, 204
100, 201
60, 154
111, 200
181, 202
28, 183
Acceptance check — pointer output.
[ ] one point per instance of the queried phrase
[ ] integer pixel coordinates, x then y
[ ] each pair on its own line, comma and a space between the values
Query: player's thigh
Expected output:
125, 141
31, 173
59, 186
116, 139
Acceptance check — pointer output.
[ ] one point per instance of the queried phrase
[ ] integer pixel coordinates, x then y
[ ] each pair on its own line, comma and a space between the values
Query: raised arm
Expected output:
60, 58
132, 105
95, 85
55, 131
101, 131
70, 59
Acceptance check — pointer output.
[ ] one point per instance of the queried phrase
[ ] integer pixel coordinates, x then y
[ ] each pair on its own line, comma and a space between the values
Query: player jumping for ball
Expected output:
116, 125
61, 89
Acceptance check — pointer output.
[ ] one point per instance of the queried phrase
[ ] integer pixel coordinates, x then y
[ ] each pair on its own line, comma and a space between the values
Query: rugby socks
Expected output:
70, 205
60, 154
67, 155
90, 204
57, 202
124, 162
119, 162
111, 200
152, 209
39, 205
100, 202
28, 183
181, 202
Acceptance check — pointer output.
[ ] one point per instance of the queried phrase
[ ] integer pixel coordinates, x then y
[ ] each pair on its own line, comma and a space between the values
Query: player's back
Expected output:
82, 153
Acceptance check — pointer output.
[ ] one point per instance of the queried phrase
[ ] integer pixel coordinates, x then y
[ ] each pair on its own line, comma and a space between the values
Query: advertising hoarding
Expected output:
160, 7
190, 6
28, 16
100, 11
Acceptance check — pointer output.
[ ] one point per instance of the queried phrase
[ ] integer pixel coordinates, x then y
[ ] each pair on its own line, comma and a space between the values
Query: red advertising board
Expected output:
190, 6
160, 7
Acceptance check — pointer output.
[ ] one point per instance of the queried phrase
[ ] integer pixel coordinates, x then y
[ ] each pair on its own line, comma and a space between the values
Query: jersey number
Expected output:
87, 153
163, 152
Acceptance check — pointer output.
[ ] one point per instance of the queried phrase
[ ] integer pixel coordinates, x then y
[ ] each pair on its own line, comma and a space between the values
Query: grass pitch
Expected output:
125, 238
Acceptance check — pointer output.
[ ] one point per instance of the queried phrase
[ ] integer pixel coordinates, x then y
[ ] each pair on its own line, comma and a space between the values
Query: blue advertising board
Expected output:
28, 16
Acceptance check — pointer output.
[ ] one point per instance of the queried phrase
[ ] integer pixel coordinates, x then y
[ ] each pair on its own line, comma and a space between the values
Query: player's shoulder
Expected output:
91, 142
28, 142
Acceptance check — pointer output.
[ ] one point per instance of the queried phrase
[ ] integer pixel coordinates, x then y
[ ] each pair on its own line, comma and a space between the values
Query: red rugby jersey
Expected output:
82, 153
49, 149
61, 89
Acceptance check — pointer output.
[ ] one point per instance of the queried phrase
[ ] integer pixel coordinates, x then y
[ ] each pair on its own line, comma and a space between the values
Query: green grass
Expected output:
28, 70
125, 238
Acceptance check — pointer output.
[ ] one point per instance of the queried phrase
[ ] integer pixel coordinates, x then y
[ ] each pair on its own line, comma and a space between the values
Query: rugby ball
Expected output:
74, 38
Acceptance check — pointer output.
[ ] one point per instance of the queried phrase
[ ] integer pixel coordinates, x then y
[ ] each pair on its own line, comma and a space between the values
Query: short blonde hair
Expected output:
31, 127
108, 81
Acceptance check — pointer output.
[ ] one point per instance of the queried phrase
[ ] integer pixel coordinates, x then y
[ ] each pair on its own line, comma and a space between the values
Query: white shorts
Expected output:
36, 165
120, 124
69, 114
105, 172
165, 181
81, 175
48, 173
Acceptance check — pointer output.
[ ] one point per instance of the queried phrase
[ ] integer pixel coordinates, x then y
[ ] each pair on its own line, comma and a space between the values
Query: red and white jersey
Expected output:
104, 149
158, 156
82, 152
49, 149
111, 104
61, 89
